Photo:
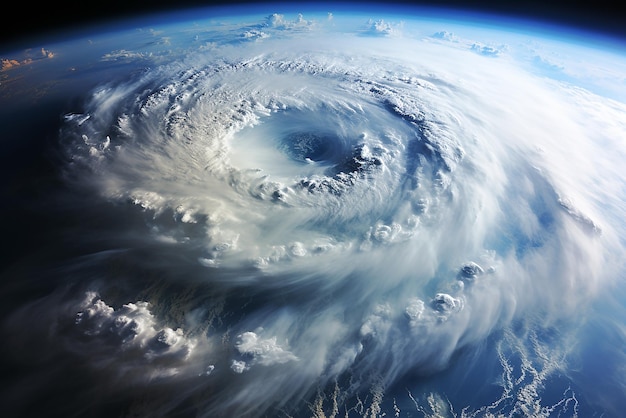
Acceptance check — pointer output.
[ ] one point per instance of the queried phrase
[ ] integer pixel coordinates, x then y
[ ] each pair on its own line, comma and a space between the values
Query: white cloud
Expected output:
123, 54
131, 327
488, 50
381, 27
445, 35
262, 351
279, 21
338, 193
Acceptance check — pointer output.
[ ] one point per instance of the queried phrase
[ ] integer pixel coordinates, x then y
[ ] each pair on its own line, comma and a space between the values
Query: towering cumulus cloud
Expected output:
298, 224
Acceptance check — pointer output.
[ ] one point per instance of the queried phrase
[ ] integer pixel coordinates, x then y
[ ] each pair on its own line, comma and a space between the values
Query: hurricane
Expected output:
286, 222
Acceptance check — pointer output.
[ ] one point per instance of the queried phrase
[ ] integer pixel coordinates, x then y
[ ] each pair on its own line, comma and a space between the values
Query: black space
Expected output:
26, 21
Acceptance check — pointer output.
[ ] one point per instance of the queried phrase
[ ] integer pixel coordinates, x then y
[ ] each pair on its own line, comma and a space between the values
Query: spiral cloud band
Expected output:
311, 219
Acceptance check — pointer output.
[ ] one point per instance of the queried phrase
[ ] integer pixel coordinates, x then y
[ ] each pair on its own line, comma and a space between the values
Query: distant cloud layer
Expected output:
8, 63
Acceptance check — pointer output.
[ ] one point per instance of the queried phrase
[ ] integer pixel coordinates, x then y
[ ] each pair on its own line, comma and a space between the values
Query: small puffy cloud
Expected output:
383, 28
278, 21
446, 36
469, 272
239, 366
47, 53
254, 35
257, 350
488, 50
445, 305
414, 311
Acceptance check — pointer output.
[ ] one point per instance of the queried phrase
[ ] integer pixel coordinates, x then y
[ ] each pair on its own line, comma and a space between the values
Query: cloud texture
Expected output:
323, 223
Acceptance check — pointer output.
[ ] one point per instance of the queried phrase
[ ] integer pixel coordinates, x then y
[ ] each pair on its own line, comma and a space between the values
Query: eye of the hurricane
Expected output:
287, 146
311, 147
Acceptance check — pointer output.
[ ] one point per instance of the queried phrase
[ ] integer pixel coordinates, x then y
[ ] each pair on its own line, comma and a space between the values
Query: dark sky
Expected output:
26, 21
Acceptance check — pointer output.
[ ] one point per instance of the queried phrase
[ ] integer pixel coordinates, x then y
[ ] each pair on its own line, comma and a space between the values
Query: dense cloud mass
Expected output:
310, 221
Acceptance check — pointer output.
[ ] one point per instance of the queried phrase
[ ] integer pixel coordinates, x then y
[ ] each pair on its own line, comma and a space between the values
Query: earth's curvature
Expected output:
330, 214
